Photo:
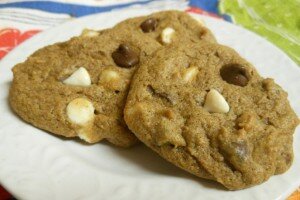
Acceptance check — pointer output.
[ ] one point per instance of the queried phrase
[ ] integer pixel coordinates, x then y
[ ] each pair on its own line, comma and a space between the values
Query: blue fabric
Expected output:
75, 10
207, 5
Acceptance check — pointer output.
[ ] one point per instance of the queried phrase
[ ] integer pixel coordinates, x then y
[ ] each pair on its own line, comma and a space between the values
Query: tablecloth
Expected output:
276, 20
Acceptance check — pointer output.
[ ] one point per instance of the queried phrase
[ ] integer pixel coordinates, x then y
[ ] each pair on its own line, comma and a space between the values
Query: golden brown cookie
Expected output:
207, 110
169, 27
75, 88
79, 87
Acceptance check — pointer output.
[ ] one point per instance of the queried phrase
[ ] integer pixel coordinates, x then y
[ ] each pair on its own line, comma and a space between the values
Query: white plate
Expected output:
37, 165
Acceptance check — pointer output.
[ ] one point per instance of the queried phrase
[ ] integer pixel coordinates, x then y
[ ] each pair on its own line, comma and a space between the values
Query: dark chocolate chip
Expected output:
149, 25
234, 74
125, 56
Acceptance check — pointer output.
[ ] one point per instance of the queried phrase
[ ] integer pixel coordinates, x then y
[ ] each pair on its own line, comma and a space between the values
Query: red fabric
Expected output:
10, 38
4, 195
202, 12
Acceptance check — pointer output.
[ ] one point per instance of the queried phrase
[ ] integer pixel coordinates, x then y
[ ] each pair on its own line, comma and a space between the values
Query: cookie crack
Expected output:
228, 163
199, 163
161, 95
210, 176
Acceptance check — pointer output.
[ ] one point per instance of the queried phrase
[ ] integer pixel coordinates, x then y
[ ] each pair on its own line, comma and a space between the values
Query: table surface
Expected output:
265, 17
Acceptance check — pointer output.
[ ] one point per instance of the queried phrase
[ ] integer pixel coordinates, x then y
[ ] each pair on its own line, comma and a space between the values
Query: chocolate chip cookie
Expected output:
168, 27
79, 87
208, 111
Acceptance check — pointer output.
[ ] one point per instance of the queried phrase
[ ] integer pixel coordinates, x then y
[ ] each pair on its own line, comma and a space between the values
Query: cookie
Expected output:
79, 87
75, 88
168, 27
207, 110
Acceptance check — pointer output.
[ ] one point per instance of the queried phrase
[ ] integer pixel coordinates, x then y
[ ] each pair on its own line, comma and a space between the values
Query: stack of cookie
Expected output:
163, 80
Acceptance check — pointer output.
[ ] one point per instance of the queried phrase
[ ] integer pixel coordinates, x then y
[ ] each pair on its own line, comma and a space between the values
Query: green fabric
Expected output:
276, 20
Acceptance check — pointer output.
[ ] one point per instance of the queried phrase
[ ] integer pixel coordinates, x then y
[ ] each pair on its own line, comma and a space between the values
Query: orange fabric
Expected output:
295, 195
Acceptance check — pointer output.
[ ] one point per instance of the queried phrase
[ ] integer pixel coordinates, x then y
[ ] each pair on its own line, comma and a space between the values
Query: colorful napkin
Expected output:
276, 20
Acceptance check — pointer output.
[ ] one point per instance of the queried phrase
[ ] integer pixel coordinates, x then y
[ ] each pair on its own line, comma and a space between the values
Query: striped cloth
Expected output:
21, 19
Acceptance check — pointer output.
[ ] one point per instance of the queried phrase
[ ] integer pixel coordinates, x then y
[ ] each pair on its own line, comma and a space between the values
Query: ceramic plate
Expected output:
38, 165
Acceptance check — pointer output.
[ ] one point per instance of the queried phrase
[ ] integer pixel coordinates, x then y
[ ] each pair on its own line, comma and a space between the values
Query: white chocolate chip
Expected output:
84, 136
215, 102
80, 111
89, 33
190, 74
167, 35
80, 77
108, 76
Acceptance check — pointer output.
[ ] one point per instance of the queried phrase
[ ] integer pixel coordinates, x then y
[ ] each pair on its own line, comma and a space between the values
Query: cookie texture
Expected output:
207, 110
157, 25
51, 90
78, 88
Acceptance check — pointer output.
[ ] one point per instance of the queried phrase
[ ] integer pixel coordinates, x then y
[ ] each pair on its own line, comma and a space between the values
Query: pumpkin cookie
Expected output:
207, 110
169, 27
79, 87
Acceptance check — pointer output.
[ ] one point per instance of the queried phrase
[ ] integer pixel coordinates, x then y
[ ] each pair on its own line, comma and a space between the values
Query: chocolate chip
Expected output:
149, 25
125, 56
234, 74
